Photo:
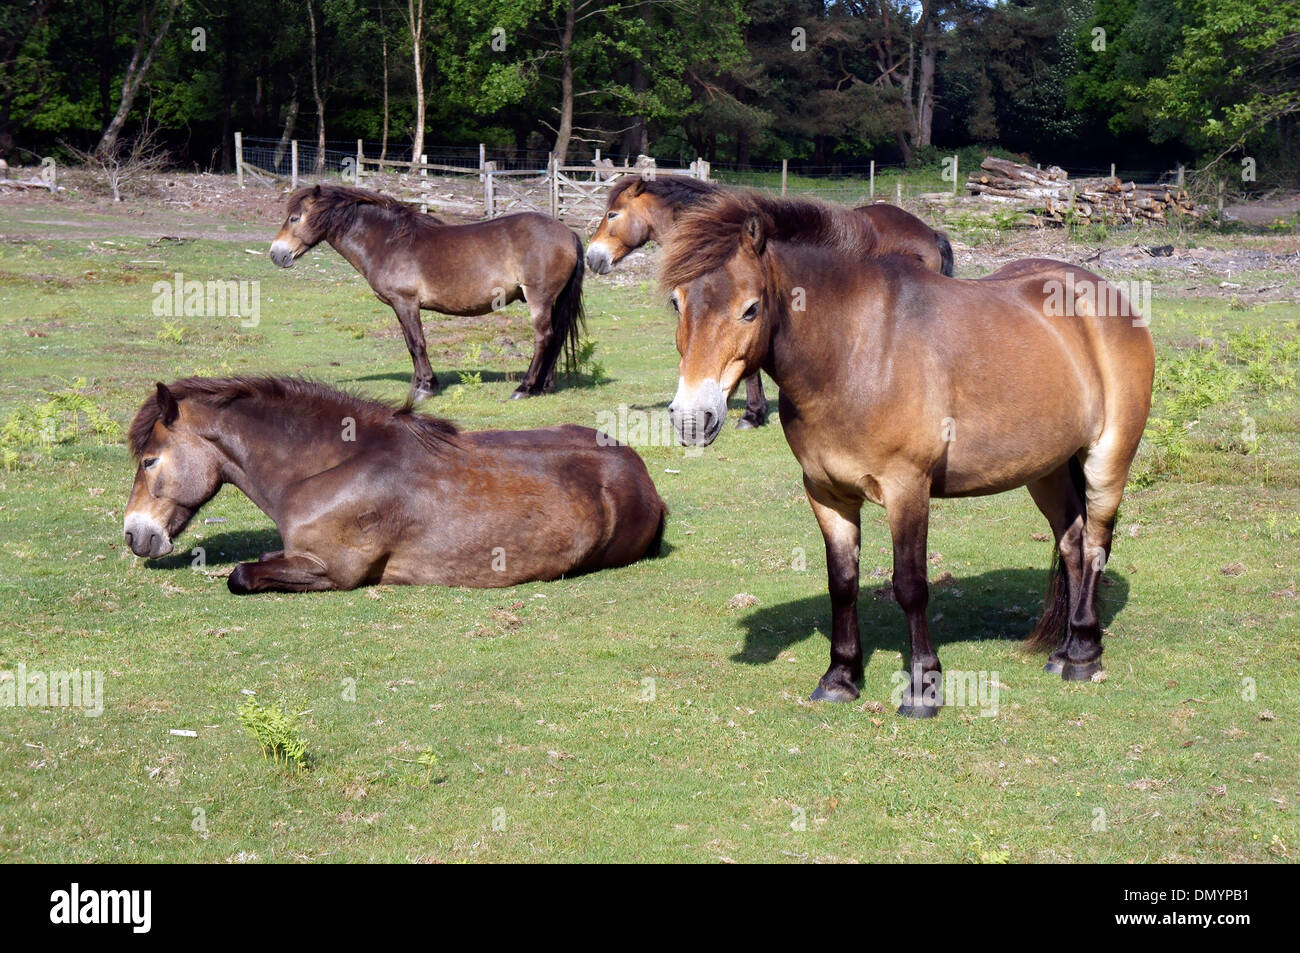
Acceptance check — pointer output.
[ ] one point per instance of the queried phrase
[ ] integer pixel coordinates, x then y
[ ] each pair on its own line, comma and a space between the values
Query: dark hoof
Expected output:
1053, 666
421, 393
520, 394
918, 711
750, 422
834, 692
1080, 671
237, 581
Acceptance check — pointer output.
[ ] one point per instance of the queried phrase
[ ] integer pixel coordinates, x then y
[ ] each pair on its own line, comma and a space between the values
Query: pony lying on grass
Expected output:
365, 493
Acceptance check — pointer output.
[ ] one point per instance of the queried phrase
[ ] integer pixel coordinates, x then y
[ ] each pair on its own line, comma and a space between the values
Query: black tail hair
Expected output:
945, 253
1054, 622
568, 320
657, 543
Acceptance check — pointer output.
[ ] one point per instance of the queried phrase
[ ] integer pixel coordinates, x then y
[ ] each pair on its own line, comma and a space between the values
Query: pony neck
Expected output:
261, 460
353, 243
787, 359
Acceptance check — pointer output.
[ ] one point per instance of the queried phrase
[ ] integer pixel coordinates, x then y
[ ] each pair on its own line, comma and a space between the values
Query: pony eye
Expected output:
612, 215
750, 313
292, 219
149, 462
676, 306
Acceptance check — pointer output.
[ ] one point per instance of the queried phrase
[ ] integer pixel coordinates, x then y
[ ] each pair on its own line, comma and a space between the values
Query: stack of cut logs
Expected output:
1101, 199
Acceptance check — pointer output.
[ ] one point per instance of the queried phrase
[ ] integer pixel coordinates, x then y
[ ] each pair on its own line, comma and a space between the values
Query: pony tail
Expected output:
945, 253
568, 319
1054, 621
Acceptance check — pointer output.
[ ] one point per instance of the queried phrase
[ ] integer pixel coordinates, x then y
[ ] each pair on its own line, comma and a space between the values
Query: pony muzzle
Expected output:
282, 254
599, 258
145, 536
697, 413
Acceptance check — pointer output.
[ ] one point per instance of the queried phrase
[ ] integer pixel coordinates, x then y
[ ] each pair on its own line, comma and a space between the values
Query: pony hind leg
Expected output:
1059, 496
1105, 470
539, 379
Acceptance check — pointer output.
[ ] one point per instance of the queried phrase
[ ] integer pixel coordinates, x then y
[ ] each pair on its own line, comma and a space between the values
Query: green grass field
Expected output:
638, 714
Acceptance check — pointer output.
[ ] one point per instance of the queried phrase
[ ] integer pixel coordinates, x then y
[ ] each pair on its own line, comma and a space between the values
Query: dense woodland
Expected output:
821, 84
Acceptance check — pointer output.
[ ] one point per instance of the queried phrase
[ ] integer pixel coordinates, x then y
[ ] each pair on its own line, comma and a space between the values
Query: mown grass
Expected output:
628, 715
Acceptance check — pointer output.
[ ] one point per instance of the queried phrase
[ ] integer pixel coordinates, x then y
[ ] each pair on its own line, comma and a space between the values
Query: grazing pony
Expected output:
899, 385
641, 209
363, 493
415, 261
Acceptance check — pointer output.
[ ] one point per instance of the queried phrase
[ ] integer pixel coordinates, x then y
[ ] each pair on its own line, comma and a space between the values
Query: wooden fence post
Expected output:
489, 199
956, 179
784, 163
872, 192
361, 155
482, 164
553, 176
1180, 175
424, 160
293, 175
239, 158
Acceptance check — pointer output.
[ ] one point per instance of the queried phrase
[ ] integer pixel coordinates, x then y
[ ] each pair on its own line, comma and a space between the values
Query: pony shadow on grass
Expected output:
1001, 604
219, 549
231, 548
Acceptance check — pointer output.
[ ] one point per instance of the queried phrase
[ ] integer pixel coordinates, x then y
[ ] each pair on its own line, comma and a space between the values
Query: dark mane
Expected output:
308, 398
334, 210
680, 190
709, 232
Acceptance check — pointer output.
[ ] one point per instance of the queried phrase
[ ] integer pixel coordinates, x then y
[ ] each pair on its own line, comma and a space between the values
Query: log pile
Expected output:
1098, 199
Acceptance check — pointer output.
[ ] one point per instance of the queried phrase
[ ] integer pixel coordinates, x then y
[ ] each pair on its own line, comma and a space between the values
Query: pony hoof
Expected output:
520, 395
833, 693
918, 711
237, 581
1080, 671
420, 394
1053, 666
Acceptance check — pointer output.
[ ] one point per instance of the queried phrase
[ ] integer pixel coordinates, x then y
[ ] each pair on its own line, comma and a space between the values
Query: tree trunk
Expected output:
290, 119
383, 48
227, 97
315, 91
565, 132
925, 86
415, 20
141, 60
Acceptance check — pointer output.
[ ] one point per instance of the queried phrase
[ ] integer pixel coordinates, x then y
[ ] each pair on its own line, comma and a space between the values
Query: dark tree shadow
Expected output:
985, 610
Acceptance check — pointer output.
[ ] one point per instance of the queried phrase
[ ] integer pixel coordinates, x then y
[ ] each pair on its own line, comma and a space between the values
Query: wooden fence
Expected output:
574, 193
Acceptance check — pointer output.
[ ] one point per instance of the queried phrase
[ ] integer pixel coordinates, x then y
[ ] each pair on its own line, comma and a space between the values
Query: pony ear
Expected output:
167, 408
754, 235
315, 193
636, 188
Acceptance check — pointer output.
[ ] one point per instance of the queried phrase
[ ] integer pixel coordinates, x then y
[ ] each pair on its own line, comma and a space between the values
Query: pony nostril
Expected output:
130, 539
708, 420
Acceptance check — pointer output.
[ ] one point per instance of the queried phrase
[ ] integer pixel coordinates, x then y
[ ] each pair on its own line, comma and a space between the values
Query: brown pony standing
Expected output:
415, 261
899, 385
362, 493
642, 209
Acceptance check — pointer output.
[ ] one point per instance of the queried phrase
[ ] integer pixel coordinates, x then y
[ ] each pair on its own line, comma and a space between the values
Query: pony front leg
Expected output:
839, 522
755, 403
280, 573
909, 522
424, 383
